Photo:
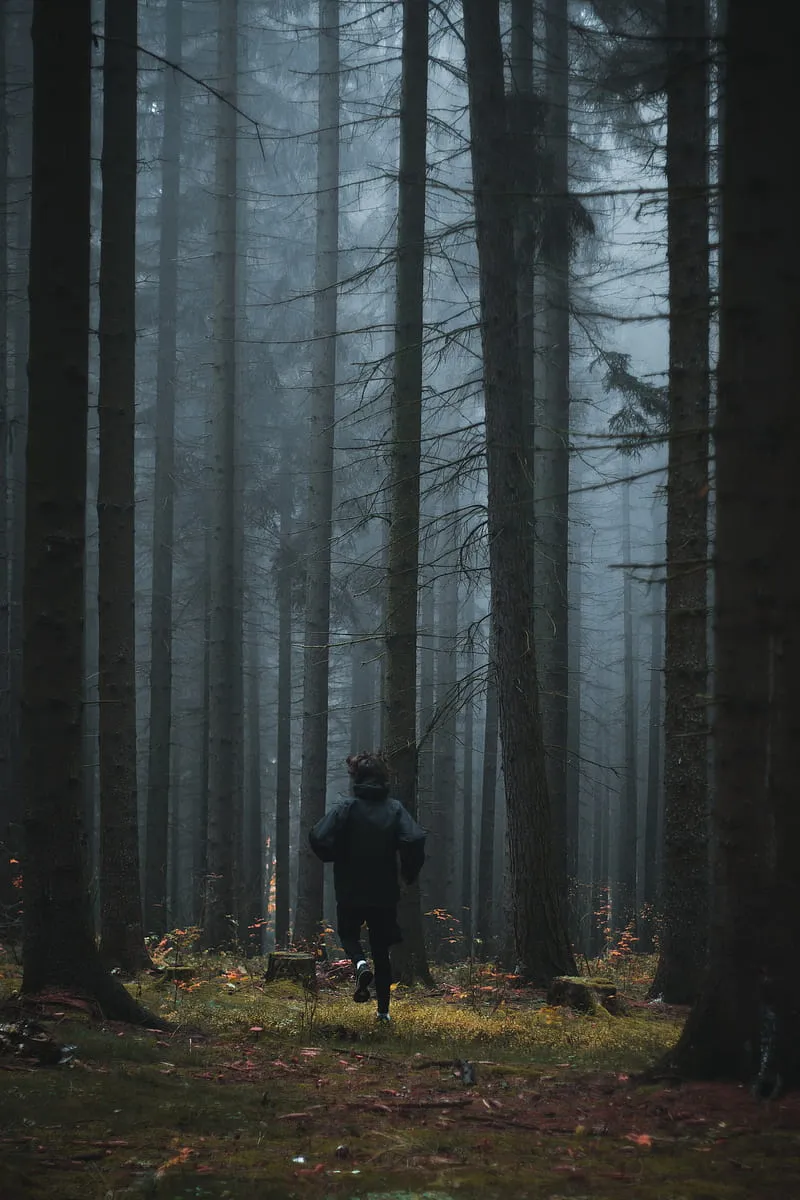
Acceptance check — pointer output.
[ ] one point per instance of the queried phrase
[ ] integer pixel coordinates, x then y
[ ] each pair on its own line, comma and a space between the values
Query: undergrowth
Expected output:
269, 1092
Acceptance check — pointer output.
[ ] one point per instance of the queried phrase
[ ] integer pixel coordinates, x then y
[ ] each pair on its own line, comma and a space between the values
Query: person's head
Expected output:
368, 769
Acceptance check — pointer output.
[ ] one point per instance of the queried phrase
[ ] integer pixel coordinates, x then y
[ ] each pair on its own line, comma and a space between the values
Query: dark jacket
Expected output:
363, 838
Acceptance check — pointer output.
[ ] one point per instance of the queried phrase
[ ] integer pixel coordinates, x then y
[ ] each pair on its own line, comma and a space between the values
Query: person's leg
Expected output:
383, 934
348, 925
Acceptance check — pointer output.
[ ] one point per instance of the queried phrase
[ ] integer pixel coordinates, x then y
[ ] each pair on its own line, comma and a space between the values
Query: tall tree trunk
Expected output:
158, 768
121, 933
176, 838
7, 846
573, 778
628, 840
443, 833
90, 763
485, 921
746, 1020
224, 801
200, 841
552, 436
578, 872
18, 55
59, 948
253, 841
283, 752
599, 889
467, 785
409, 961
654, 789
426, 703
319, 511
524, 109
541, 940
684, 898
362, 693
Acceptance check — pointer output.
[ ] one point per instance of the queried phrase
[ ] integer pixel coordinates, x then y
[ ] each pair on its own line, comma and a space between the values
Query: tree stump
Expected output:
178, 974
287, 964
173, 974
585, 995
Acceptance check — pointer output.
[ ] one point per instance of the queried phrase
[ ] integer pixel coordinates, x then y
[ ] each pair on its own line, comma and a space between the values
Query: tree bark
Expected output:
121, 933
409, 959
753, 979
59, 948
224, 800
158, 768
684, 897
319, 506
541, 940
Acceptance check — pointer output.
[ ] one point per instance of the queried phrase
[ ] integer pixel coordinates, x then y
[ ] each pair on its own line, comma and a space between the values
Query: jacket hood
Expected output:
371, 790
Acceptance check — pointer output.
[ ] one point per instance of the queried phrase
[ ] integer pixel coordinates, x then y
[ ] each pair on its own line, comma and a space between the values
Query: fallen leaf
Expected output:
640, 1139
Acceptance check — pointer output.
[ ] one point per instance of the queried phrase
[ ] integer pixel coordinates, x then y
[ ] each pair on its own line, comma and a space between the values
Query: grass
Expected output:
264, 1092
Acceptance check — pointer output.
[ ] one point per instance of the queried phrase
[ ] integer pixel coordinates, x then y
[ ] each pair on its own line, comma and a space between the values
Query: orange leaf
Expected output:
640, 1139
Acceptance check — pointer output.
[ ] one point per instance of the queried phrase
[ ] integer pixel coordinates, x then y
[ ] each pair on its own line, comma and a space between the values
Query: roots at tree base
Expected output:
113, 1000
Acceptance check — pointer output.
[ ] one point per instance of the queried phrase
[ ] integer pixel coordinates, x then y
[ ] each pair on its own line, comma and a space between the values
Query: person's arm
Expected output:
410, 845
324, 838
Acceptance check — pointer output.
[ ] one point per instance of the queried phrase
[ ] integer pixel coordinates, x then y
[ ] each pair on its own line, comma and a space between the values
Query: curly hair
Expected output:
367, 767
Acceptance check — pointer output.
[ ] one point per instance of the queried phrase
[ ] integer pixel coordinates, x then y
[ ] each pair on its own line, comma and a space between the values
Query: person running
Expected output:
365, 838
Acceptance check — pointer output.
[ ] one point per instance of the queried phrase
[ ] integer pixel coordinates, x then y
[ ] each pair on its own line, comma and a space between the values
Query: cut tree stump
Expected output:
585, 995
287, 964
173, 974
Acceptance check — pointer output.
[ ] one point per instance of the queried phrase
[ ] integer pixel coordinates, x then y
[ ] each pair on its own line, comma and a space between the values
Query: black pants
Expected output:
384, 932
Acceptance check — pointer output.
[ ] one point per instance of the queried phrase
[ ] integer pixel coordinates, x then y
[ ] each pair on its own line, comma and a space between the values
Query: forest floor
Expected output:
262, 1092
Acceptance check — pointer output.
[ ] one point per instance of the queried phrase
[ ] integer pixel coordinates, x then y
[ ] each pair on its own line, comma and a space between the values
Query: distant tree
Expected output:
485, 921
746, 1022
283, 748
467, 782
252, 847
443, 820
319, 504
655, 791
59, 948
624, 911
541, 942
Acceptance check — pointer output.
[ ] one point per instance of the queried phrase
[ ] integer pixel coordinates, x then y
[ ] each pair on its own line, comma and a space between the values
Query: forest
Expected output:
399, 387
